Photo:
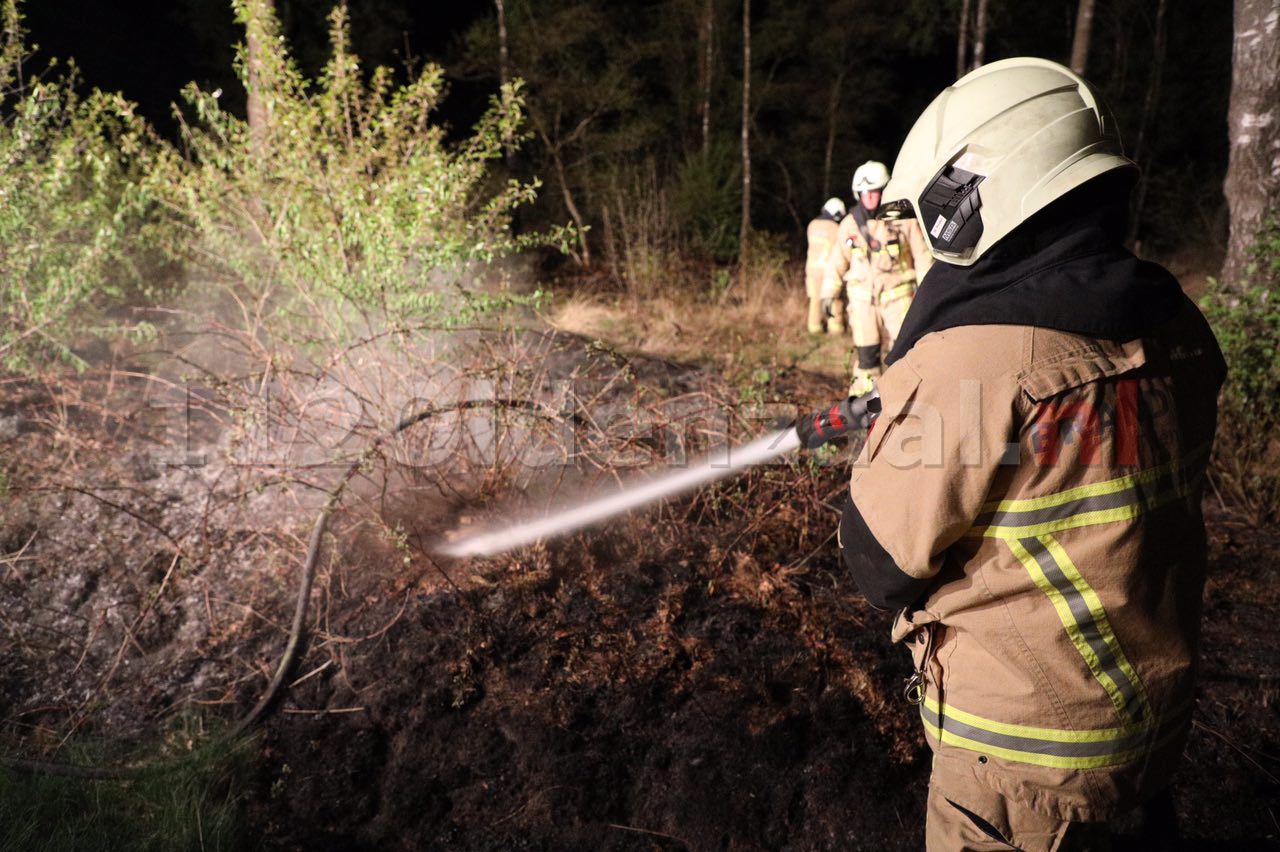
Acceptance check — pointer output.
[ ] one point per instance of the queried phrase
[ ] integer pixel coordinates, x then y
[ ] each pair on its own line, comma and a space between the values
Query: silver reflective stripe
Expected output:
1132, 496
1053, 747
1048, 514
1139, 493
1097, 748
1088, 627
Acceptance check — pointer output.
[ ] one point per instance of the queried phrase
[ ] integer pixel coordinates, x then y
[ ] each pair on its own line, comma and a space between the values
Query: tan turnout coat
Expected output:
1051, 485
821, 235
879, 284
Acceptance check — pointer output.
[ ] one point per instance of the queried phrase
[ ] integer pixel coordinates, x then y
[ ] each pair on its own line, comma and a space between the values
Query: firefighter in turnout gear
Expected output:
1029, 496
821, 234
879, 264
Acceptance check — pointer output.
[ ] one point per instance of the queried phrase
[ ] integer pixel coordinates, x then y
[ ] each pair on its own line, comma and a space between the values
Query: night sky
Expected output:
150, 49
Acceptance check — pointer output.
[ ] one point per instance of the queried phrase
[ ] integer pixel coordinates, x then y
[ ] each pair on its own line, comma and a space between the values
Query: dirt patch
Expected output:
694, 700
601, 708
696, 676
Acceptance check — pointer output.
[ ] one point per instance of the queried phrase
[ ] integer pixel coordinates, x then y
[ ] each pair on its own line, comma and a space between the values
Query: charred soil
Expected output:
696, 676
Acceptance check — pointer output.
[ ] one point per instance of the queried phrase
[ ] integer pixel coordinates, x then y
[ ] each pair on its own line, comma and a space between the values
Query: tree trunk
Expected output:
504, 72
1080, 43
980, 35
962, 43
833, 108
584, 257
256, 105
705, 55
1148, 112
1252, 186
744, 232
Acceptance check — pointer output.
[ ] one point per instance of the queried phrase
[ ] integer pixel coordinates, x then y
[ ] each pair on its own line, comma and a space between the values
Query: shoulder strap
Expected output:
860, 217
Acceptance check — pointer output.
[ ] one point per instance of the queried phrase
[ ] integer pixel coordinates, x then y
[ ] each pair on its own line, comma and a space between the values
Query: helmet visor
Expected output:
900, 209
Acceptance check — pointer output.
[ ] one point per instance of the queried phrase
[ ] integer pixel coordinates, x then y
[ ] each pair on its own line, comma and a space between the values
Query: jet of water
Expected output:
634, 495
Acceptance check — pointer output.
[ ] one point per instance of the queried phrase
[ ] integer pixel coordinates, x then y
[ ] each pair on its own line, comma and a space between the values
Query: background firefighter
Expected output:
1030, 494
821, 235
878, 262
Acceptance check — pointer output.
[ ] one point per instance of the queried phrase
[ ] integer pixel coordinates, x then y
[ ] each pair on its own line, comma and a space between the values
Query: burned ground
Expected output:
696, 676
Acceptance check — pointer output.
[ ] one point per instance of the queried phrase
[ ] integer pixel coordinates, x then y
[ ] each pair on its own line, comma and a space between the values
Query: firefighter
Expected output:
878, 263
1029, 496
821, 234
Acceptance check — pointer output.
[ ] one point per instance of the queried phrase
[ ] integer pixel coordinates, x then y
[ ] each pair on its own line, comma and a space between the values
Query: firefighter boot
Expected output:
835, 316
817, 315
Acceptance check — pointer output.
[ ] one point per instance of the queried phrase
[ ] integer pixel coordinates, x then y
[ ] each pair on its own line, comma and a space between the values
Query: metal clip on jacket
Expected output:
847, 415
913, 691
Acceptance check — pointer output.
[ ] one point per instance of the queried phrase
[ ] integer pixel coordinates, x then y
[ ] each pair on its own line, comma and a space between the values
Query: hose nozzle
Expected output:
847, 415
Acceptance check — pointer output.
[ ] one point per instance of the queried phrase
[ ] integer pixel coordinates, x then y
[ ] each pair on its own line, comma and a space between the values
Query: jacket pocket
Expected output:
980, 823
1078, 366
897, 389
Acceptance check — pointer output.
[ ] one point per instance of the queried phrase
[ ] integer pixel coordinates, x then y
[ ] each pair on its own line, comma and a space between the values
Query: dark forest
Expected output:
459, 425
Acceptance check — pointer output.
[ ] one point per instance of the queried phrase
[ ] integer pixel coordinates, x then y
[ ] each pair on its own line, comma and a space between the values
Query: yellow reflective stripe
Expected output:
1083, 519
1103, 624
1050, 746
901, 291
1068, 620
1098, 489
1057, 735
1050, 760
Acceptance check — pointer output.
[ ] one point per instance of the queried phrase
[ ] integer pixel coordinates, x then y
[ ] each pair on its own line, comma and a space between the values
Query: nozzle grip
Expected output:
843, 417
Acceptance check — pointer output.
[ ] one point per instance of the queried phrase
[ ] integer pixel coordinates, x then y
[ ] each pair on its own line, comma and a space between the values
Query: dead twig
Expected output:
1236, 748
650, 832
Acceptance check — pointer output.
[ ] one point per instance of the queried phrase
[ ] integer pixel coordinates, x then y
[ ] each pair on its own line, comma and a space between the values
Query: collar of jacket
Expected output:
1065, 268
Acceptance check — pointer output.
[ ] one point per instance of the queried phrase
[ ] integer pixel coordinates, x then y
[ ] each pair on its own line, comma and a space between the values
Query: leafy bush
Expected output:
1246, 320
345, 209
71, 208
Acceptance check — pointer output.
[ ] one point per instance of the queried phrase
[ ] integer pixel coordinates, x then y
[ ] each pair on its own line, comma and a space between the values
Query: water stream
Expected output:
716, 466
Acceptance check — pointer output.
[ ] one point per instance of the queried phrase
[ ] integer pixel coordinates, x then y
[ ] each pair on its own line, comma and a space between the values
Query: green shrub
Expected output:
347, 210
71, 208
1246, 319
707, 201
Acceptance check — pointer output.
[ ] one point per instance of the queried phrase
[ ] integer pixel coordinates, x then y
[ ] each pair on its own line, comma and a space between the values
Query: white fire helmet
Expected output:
834, 208
868, 176
996, 147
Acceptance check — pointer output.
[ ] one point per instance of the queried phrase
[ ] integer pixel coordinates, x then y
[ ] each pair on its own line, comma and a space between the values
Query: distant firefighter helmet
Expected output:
994, 148
870, 175
834, 208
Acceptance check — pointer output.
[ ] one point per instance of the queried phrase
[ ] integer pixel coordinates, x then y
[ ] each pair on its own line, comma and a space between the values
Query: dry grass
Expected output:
758, 322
